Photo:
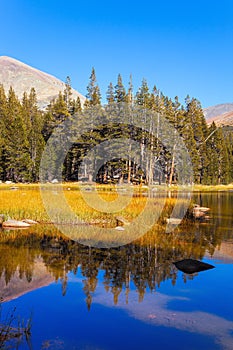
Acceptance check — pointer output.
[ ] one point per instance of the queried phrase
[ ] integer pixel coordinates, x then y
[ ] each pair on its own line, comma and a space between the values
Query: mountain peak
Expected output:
11, 59
23, 77
7, 58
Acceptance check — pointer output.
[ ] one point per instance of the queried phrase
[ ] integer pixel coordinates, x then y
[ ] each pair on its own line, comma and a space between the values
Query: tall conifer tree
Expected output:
120, 93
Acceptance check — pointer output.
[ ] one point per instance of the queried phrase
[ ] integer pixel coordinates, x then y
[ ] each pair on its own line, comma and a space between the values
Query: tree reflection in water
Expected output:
144, 263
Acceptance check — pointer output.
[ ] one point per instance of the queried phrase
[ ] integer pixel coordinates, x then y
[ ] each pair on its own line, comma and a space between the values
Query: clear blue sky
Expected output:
183, 47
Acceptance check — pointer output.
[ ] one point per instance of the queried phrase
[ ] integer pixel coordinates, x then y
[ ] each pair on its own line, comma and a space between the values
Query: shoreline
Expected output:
92, 186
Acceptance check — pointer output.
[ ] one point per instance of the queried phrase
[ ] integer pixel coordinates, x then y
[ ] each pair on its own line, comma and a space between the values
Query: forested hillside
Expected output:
24, 131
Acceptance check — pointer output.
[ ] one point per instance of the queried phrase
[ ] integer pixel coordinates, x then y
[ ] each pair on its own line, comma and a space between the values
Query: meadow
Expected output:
24, 201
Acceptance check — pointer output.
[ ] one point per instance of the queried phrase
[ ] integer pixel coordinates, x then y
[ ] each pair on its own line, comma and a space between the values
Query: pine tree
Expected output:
194, 119
75, 106
129, 96
59, 107
17, 158
93, 91
3, 113
119, 94
67, 94
78, 105
143, 95
228, 137
33, 119
110, 94
153, 98
56, 113
219, 165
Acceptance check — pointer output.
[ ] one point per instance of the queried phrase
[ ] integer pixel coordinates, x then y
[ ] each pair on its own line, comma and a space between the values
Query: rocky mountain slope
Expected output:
217, 110
222, 119
23, 77
221, 114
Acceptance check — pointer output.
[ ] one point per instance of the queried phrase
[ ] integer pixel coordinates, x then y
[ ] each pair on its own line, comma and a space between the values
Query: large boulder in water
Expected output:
191, 266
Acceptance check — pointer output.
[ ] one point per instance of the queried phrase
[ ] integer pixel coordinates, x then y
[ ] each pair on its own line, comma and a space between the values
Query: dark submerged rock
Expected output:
191, 266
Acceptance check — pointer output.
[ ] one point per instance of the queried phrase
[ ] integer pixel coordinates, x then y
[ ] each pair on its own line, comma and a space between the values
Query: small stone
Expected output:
54, 181
122, 221
174, 221
119, 228
202, 209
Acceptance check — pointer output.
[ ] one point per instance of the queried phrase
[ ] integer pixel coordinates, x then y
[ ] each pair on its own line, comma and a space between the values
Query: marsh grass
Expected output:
212, 188
13, 329
26, 202
22, 203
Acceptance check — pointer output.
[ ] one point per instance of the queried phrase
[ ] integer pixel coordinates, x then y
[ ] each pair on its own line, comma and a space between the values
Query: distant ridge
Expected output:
221, 114
217, 110
221, 120
23, 77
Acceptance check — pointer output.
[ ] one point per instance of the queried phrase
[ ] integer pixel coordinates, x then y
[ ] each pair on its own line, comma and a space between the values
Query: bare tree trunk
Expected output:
129, 163
172, 167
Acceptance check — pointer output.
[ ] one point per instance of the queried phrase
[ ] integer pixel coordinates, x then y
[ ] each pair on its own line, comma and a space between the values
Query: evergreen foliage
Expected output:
120, 93
93, 91
24, 131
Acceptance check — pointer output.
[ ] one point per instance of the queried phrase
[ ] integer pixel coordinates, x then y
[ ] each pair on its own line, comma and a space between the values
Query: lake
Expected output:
125, 297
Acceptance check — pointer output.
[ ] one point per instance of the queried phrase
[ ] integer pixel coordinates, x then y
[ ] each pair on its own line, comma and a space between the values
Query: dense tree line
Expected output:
24, 131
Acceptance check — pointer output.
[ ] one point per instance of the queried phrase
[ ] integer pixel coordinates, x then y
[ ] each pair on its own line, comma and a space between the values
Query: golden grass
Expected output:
212, 188
26, 202
22, 204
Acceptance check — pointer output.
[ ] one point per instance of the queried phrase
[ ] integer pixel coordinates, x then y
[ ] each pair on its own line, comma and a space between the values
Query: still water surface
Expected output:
131, 297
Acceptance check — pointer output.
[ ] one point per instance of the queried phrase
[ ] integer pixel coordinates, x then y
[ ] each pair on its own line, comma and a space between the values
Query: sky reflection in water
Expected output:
113, 304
